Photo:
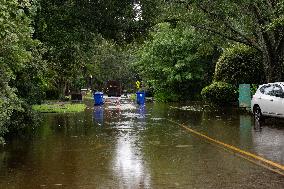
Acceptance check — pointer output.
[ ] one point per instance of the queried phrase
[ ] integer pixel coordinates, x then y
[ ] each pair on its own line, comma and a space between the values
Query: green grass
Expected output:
59, 107
88, 96
133, 96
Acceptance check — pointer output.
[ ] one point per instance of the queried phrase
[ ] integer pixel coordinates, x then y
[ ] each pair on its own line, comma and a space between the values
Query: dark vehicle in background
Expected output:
113, 88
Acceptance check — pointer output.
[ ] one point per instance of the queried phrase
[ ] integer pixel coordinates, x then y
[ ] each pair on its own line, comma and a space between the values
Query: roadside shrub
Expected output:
219, 93
240, 64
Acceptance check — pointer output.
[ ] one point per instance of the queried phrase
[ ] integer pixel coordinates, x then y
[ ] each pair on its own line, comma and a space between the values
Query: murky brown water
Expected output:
122, 145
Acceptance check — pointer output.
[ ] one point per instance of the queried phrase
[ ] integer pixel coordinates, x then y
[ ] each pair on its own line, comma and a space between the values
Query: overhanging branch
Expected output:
242, 37
202, 27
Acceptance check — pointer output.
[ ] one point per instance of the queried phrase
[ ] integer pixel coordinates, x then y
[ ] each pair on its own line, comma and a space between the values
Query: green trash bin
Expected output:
244, 96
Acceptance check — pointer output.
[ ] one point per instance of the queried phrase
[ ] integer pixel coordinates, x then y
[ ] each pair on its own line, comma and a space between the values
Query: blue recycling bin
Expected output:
99, 98
140, 98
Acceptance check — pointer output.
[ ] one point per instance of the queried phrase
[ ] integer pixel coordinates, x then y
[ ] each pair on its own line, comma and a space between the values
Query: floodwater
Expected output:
123, 145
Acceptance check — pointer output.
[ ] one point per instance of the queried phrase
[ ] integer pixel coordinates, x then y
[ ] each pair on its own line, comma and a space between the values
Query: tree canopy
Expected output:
20, 61
256, 23
178, 61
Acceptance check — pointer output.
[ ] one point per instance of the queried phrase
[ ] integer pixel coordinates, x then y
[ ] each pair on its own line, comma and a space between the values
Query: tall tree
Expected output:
20, 61
256, 23
176, 63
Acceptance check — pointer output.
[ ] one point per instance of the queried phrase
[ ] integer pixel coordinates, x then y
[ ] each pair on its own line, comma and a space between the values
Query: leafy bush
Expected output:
219, 93
253, 88
240, 64
8, 103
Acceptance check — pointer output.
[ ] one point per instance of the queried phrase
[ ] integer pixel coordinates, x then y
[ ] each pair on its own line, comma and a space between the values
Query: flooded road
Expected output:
123, 145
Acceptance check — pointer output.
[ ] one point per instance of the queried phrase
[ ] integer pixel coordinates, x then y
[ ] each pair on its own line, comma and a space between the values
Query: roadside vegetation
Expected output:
179, 50
59, 107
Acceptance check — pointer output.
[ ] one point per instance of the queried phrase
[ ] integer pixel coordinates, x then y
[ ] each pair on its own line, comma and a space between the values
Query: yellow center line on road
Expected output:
278, 168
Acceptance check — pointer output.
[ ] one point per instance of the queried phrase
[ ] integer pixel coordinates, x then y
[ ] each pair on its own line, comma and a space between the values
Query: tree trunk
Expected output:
273, 64
62, 89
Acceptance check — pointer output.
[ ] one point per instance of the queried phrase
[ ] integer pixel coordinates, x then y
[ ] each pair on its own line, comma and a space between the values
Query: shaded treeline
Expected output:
51, 47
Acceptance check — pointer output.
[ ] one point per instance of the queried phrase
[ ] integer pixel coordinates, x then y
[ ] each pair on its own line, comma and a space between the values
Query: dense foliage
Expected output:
111, 62
81, 38
219, 93
256, 23
240, 64
20, 60
174, 63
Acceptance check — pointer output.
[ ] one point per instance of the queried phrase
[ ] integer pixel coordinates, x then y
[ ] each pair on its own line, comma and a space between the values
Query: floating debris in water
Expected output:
189, 108
111, 107
157, 118
130, 115
155, 142
196, 108
127, 107
182, 146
